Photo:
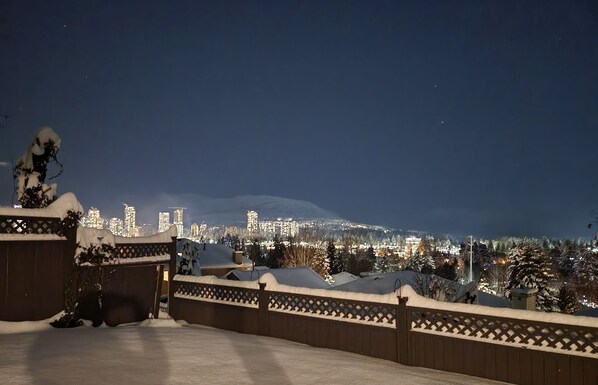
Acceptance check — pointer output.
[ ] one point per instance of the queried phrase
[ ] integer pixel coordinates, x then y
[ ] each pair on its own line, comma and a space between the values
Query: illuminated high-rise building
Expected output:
116, 226
163, 221
195, 230
178, 220
94, 220
287, 227
129, 228
252, 222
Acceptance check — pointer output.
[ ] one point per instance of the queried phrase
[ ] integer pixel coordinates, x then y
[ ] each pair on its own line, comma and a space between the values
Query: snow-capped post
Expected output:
524, 298
263, 300
403, 328
31, 168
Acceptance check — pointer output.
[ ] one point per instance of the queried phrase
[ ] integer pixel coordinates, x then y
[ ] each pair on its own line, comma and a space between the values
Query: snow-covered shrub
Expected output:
31, 169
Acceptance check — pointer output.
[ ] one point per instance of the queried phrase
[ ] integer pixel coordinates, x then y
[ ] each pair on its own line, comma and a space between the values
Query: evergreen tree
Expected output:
370, 254
586, 275
566, 300
336, 262
447, 270
381, 265
255, 251
394, 263
585, 266
350, 263
420, 263
276, 254
528, 268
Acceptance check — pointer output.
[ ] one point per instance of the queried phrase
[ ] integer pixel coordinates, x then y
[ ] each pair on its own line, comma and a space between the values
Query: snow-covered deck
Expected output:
173, 354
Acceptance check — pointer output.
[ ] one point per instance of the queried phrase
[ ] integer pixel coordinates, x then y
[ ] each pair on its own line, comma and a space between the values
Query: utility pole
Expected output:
470, 258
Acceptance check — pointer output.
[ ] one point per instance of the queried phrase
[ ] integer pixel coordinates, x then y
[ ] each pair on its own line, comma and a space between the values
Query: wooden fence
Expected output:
36, 259
498, 348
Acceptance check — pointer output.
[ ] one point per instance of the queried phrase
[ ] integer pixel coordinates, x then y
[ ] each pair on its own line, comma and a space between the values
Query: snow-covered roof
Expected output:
385, 283
293, 276
588, 312
213, 255
487, 299
342, 278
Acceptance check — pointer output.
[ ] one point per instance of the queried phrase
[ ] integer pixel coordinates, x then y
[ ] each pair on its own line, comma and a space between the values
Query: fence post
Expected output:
263, 299
171, 274
403, 329
159, 279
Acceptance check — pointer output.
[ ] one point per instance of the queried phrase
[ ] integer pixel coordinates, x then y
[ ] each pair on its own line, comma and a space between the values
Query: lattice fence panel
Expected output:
29, 225
368, 312
516, 331
138, 250
237, 295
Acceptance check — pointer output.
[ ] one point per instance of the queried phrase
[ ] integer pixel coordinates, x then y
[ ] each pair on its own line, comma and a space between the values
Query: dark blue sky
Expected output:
460, 117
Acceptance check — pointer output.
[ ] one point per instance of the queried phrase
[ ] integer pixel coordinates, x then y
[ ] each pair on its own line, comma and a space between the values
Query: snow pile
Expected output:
57, 209
88, 237
213, 280
28, 326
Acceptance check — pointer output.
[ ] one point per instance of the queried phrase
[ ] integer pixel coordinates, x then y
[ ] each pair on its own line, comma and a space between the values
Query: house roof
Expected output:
342, 278
292, 276
588, 312
385, 283
213, 255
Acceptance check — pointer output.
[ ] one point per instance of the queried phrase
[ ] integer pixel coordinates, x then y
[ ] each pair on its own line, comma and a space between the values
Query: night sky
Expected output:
476, 117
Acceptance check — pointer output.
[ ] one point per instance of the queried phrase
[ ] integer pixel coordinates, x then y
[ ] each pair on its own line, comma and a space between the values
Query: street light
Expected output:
470, 258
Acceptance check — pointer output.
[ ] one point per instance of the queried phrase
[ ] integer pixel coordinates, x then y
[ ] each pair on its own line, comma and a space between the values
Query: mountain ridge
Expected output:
230, 211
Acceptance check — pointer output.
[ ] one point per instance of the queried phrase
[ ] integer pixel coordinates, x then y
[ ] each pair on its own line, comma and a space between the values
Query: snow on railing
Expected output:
150, 249
549, 331
27, 228
508, 331
212, 289
37, 224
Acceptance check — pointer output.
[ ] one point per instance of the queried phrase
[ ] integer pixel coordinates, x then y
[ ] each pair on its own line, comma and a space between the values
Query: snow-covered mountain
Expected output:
225, 211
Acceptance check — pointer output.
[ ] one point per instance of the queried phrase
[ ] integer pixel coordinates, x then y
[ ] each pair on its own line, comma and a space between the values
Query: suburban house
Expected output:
211, 258
291, 276
385, 283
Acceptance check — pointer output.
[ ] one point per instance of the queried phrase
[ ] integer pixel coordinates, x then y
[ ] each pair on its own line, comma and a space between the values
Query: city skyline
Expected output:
465, 118
267, 228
